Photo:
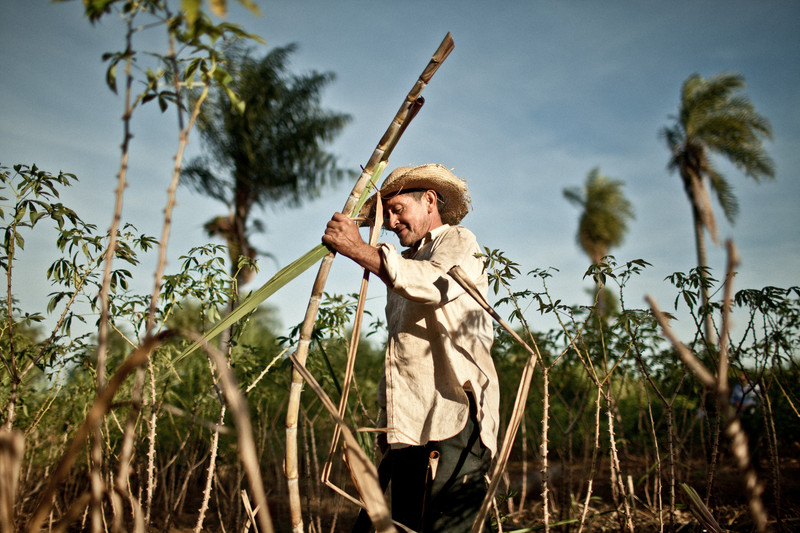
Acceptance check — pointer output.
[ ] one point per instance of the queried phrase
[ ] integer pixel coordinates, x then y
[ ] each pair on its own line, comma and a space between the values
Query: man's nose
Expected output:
392, 220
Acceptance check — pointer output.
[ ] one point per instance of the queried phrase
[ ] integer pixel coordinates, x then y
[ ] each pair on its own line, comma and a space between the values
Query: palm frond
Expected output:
715, 118
198, 175
724, 193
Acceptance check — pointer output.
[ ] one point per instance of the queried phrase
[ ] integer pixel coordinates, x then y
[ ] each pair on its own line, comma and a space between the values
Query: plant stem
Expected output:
379, 157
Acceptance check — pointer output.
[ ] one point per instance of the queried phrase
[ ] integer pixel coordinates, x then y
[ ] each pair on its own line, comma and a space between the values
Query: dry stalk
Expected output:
712, 467
380, 155
103, 323
219, 505
244, 430
719, 386
251, 513
545, 429
173, 186
657, 480
458, 274
12, 448
266, 370
362, 471
211, 472
10, 364
180, 500
617, 482
93, 418
595, 454
524, 490
668, 411
123, 470
77, 507
151, 447
772, 440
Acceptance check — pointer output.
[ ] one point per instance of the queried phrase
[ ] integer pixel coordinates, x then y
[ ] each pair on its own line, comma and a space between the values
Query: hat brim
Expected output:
453, 191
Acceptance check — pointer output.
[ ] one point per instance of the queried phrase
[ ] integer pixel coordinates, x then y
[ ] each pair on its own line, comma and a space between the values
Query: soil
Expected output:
728, 504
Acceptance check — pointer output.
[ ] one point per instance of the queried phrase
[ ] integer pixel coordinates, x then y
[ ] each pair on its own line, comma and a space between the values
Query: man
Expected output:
439, 395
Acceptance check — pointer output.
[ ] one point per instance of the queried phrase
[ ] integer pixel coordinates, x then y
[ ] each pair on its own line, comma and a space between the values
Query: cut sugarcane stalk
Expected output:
351, 360
364, 473
458, 274
380, 155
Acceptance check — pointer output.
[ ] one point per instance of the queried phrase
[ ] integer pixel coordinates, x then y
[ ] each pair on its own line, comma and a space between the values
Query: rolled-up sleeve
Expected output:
427, 281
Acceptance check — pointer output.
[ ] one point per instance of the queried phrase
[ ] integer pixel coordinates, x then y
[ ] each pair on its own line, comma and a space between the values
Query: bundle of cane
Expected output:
380, 156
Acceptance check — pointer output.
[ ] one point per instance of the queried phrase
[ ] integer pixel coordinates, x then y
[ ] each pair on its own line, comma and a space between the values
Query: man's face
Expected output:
409, 217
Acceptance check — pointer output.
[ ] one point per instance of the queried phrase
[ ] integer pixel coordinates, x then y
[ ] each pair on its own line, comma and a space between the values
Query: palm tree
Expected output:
605, 216
603, 222
271, 153
714, 118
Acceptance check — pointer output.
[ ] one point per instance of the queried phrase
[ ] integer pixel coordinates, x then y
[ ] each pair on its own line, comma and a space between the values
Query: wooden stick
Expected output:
364, 473
719, 387
351, 360
458, 274
380, 155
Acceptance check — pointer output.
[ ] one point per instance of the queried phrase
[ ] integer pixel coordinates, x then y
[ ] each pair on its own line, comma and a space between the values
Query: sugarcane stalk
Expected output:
458, 274
351, 359
380, 155
719, 386
363, 472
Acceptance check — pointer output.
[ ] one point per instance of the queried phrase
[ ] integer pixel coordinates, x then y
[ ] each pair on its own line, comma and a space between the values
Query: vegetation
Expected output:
715, 119
266, 152
605, 216
111, 422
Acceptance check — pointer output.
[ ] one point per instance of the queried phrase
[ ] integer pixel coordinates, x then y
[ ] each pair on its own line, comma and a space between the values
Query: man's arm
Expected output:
342, 236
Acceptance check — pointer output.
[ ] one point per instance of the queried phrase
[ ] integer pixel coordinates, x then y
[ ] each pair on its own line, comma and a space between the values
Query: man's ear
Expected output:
431, 199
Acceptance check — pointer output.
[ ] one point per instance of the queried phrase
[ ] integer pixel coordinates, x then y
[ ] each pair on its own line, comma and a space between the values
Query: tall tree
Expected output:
715, 118
603, 222
271, 152
606, 213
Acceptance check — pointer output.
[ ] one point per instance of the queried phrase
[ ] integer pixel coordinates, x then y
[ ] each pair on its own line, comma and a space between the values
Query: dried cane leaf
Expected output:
700, 511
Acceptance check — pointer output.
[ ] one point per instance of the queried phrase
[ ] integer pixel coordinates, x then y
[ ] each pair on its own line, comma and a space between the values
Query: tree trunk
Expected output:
702, 263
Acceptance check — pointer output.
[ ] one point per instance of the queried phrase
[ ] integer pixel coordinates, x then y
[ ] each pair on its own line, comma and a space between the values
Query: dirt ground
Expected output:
728, 505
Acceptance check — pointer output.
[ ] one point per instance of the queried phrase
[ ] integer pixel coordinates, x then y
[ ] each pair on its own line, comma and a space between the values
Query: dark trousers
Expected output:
448, 502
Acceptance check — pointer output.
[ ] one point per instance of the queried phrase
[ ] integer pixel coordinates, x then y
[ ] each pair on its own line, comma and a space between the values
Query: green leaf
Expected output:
284, 276
192, 10
111, 77
162, 102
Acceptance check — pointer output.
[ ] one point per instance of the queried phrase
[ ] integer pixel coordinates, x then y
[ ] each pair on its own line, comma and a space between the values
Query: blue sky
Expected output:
533, 97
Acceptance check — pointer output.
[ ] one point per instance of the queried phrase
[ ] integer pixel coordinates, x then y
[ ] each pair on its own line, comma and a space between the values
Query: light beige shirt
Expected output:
439, 342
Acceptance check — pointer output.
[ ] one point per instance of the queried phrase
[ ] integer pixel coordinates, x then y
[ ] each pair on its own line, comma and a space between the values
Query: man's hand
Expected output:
342, 236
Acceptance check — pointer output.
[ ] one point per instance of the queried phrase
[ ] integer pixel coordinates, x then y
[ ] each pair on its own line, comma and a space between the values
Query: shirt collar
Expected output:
428, 237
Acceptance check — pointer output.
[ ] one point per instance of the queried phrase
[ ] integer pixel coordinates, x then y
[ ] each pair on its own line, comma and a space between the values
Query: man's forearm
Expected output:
368, 257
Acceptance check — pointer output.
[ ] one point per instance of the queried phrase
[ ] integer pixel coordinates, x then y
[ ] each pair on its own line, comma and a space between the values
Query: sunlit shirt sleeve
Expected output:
439, 343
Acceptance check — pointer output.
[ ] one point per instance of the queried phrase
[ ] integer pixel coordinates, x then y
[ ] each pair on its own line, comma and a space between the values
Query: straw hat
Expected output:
453, 191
